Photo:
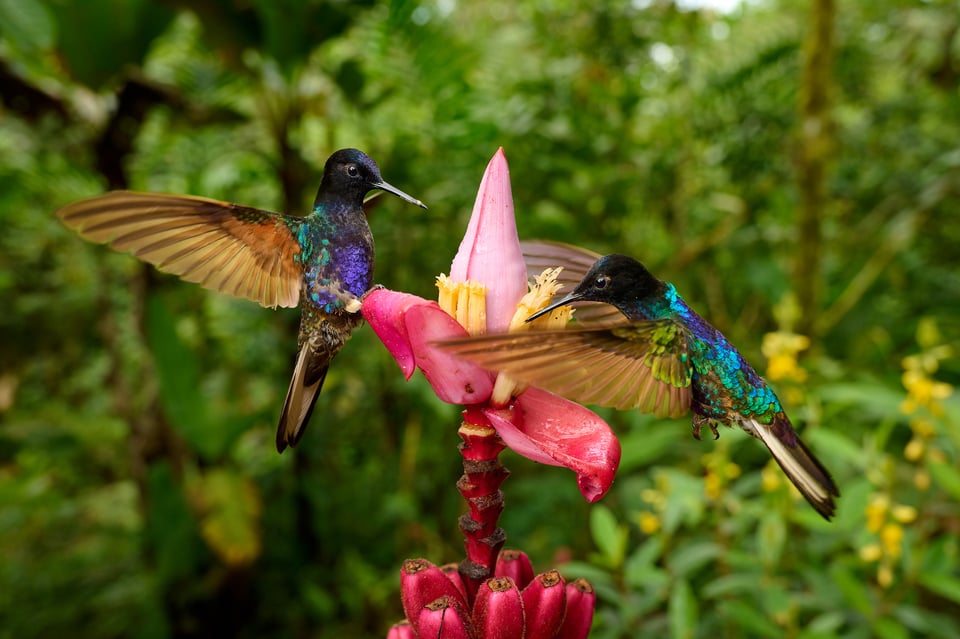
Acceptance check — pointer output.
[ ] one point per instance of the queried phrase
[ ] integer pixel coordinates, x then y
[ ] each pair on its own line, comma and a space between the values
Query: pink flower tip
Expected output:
490, 250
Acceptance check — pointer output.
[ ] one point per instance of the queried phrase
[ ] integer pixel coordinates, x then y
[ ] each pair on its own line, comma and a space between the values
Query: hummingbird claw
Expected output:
699, 421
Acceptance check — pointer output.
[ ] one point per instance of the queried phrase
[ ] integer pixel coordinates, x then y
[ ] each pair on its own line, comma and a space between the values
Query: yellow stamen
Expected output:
465, 302
543, 288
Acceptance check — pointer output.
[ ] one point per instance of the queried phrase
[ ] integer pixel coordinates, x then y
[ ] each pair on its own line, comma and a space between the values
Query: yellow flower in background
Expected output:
891, 536
922, 390
885, 520
925, 398
771, 477
781, 349
877, 512
719, 471
649, 522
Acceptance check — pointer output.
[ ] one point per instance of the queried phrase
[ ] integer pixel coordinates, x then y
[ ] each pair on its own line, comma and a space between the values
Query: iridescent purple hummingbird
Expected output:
658, 356
323, 261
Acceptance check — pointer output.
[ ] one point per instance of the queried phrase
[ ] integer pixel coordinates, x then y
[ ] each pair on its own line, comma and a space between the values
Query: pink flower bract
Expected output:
538, 425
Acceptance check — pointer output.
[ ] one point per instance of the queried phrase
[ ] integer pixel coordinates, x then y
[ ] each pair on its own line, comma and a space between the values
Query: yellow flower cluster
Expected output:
885, 521
719, 471
539, 295
925, 397
781, 349
650, 521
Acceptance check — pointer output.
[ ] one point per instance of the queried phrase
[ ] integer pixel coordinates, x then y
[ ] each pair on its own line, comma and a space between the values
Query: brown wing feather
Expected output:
226, 247
644, 366
576, 261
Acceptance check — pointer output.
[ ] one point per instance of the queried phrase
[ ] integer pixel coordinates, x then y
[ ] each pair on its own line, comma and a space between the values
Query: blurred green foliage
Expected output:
140, 495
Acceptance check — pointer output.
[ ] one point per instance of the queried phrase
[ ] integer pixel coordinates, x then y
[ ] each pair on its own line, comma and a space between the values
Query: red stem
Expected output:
480, 486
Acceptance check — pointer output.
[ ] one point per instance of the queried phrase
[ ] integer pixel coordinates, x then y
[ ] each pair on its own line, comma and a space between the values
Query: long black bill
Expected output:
569, 299
389, 188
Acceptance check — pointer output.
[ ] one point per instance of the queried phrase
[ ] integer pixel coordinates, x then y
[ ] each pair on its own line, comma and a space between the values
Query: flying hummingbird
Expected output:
323, 261
658, 356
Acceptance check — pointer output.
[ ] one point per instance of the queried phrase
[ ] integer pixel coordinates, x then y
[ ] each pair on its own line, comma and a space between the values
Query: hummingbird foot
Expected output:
699, 421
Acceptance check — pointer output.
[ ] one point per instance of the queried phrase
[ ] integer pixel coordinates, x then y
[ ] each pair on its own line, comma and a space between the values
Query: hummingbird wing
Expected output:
643, 365
226, 247
576, 261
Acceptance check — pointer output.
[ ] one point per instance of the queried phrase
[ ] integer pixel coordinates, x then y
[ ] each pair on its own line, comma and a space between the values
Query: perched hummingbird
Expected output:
324, 261
660, 357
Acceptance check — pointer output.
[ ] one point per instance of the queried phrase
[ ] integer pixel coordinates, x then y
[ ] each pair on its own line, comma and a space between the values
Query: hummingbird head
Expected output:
351, 174
613, 279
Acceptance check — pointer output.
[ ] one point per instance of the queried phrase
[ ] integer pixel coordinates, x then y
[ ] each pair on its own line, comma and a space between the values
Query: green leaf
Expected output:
610, 536
771, 536
749, 621
645, 445
926, 622
887, 628
640, 568
854, 590
684, 499
687, 559
837, 443
947, 477
943, 584
100, 38
28, 24
682, 611
733, 584
171, 529
179, 374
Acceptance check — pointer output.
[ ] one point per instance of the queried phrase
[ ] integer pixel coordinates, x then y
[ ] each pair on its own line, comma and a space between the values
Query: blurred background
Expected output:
793, 167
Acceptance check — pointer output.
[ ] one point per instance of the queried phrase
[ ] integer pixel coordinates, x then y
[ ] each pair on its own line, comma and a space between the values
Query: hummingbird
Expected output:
323, 261
658, 356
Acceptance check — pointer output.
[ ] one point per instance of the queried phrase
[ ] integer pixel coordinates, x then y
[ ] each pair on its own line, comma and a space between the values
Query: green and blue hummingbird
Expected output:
658, 356
323, 261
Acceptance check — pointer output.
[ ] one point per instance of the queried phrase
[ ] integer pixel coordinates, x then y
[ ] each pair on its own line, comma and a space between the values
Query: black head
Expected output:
613, 279
350, 174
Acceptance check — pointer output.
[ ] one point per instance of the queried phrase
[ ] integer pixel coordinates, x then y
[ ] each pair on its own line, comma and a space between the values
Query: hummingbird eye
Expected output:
352, 170
601, 282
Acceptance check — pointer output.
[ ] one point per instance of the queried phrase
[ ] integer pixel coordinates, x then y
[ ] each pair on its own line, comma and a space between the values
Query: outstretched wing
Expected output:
576, 261
226, 247
643, 365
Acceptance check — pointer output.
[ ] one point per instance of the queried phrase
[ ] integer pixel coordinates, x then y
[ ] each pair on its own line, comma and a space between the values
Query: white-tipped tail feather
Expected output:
800, 466
308, 376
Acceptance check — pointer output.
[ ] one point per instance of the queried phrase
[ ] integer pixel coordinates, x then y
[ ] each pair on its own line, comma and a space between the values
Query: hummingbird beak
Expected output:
569, 299
389, 188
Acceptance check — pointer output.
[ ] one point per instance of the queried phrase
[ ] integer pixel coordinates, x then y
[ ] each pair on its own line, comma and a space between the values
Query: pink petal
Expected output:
402, 630
408, 325
490, 251
551, 430
452, 571
498, 610
444, 618
580, 603
516, 565
544, 602
421, 583
384, 310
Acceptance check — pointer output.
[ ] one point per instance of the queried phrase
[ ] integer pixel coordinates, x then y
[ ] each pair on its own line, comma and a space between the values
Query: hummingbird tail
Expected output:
800, 466
308, 376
